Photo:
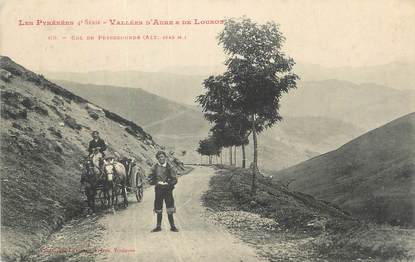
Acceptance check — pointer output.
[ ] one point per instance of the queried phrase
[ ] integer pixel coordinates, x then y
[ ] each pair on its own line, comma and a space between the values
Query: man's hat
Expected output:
161, 153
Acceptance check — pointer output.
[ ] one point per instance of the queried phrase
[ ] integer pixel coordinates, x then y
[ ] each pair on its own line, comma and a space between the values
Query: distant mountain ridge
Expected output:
365, 105
180, 127
177, 87
399, 75
188, 79
348, 109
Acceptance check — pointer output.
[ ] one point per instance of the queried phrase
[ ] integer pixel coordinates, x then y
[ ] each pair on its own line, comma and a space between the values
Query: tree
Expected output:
240, 126
209, 147
232, 130
259, 73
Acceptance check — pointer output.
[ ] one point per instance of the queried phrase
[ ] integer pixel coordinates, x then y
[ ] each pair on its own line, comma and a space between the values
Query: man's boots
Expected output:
158, 227
171, 221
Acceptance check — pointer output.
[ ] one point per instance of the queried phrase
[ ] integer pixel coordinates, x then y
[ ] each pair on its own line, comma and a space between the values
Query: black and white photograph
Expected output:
222, 130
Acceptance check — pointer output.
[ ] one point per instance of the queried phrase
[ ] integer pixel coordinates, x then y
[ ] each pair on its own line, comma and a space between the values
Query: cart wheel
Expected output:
139, 190
139, 193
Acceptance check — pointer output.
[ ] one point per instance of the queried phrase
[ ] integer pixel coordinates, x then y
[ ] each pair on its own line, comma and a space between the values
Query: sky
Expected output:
329, 33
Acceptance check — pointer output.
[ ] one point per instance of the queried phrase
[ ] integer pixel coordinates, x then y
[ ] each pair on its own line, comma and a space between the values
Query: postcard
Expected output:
224, 130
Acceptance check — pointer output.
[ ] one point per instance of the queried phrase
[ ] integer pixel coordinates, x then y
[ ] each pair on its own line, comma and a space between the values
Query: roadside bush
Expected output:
372, 240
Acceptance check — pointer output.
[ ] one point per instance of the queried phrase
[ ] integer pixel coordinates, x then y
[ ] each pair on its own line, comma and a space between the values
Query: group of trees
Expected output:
245, 99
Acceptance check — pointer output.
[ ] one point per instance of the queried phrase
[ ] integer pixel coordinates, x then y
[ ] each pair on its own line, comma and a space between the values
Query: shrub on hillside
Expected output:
372, 240
71, 122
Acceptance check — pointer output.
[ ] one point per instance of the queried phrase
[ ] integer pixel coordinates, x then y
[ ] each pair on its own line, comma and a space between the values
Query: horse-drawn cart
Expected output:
135, 185
105, 182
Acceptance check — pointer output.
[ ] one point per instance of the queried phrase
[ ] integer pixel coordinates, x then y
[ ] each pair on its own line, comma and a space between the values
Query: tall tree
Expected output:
259, 73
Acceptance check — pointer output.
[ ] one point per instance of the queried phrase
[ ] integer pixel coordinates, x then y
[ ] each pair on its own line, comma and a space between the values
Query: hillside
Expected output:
371, 176
45, 131
306, 137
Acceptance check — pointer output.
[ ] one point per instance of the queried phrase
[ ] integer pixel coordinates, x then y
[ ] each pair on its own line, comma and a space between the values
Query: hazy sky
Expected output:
330, 33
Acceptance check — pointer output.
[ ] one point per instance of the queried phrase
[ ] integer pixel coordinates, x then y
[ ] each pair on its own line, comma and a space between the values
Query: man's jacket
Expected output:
99, 143
163, 174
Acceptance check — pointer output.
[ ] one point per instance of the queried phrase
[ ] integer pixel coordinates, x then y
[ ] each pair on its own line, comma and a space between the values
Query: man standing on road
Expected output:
163, 176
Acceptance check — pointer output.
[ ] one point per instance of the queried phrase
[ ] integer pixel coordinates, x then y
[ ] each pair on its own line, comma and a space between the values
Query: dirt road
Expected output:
128, 236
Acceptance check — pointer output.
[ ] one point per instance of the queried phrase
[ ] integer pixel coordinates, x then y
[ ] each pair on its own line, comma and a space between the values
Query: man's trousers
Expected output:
164, 193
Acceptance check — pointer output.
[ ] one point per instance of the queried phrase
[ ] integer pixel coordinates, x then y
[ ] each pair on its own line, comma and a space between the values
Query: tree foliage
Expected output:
208, 147
257, 68
231, 126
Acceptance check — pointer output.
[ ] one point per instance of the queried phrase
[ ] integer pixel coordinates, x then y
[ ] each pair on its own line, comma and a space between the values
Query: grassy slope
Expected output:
297, 227
371, 176
44, 135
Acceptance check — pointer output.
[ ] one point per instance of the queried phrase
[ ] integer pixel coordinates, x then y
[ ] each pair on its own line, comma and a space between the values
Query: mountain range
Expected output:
398, 75
183, 83
327, 113
366, 106
371, 176
180, 127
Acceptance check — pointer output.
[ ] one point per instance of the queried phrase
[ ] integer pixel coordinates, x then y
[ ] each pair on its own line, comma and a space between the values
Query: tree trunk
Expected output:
201, 159
230, 155
243, 156
255, 163
210, 160
221, 157
234, 156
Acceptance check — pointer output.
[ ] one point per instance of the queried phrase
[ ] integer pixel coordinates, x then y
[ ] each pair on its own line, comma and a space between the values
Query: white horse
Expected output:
92, 177
115, 182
